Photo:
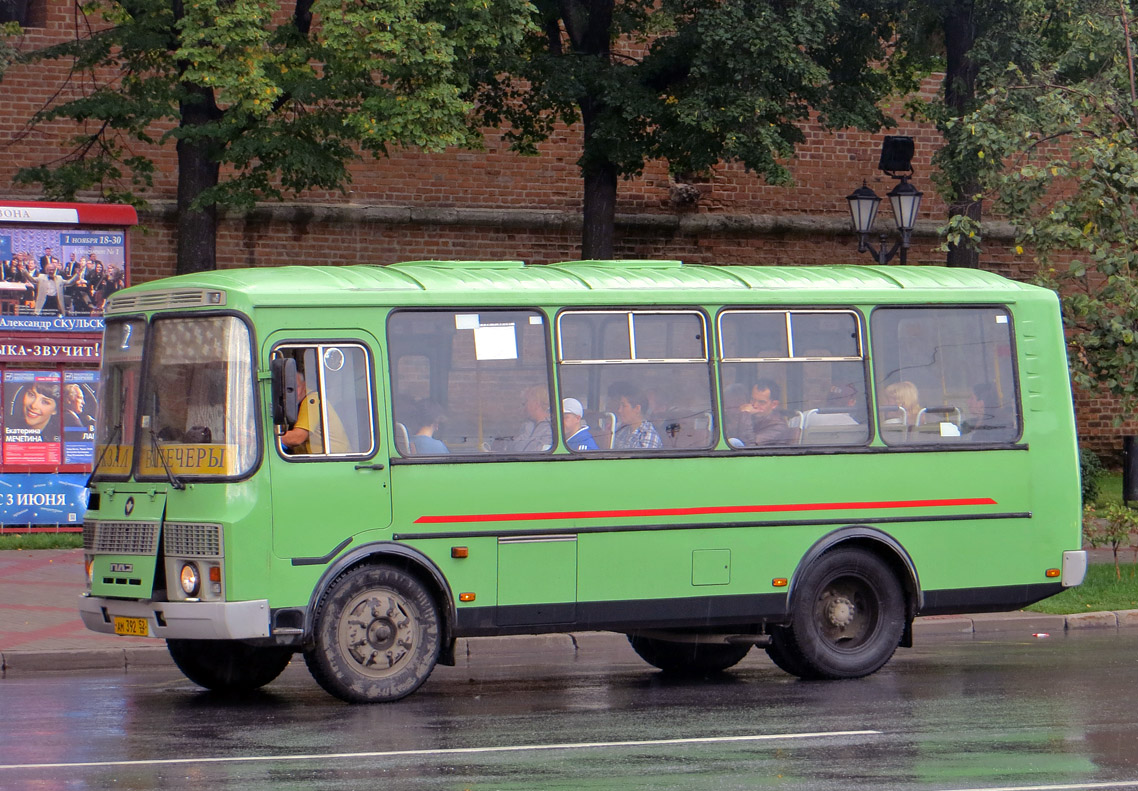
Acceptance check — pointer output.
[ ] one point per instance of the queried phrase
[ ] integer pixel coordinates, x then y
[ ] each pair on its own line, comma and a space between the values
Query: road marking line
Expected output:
516, 748
1062, 787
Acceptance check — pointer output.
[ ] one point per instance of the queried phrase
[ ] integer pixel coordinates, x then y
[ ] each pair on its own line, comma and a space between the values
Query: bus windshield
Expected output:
123, 343
196, 411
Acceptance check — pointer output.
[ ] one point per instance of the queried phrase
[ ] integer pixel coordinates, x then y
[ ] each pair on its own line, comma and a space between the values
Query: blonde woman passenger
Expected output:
904, 395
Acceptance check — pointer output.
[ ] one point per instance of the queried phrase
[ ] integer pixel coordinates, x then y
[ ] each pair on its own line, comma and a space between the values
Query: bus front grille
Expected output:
121, 538
182, 539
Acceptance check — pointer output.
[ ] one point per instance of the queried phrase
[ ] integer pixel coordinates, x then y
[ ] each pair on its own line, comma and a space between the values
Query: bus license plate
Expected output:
135, 627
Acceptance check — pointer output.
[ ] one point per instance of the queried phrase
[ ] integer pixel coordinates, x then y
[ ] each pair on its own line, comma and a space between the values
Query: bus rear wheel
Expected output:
226, 665
377, 636
847, 618
688, 658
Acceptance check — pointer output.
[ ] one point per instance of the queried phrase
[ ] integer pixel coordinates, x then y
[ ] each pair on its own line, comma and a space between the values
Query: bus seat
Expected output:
940, 414
825, 426
894, 423
402, 441
937, 424
605, 424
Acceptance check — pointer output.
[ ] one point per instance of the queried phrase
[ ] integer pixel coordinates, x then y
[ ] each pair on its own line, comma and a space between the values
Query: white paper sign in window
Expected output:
495, 342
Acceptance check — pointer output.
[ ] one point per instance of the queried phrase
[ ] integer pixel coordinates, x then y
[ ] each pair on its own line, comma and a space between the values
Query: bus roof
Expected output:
506, 282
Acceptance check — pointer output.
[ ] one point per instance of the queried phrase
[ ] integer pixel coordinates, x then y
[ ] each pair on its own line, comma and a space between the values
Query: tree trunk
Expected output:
599, 221
197, 228
198, 170
960, 96
589, 24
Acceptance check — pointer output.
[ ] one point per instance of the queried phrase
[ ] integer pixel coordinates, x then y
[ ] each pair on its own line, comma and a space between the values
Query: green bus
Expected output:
364, 463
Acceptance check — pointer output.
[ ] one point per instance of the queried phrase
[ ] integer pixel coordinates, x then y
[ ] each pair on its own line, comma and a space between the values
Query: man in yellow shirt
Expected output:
306, 435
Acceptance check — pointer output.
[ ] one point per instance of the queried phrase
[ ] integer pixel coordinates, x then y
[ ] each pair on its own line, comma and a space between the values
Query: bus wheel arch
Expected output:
376, 634
402, 557
876, 542
851, 605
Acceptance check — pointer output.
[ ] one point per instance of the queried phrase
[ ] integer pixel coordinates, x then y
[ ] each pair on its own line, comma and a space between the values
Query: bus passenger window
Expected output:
481, 375
792, 377
335, 411
640, 377
945, 374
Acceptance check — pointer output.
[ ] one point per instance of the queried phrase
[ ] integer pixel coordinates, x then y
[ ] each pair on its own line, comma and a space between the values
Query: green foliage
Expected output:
973, 43
1114, 525
18, 541
1101, 591
279, 98
1058, 148
1091, 472
693, 82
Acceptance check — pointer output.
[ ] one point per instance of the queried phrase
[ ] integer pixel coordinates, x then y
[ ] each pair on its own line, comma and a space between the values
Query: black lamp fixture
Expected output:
896, 162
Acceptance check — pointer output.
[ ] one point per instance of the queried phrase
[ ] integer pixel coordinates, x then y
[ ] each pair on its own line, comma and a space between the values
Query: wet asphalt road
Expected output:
1038, 713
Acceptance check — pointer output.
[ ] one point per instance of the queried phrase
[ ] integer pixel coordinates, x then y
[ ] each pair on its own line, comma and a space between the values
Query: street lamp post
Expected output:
896, 159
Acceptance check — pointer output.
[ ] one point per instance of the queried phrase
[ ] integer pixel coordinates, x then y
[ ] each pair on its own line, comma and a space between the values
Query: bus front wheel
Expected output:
688, 658
847, 617
226, 665
377, 636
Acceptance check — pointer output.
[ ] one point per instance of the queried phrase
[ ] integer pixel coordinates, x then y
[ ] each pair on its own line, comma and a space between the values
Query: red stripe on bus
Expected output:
723, 509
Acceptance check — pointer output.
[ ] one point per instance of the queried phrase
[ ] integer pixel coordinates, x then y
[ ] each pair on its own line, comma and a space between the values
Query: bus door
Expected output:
330, 469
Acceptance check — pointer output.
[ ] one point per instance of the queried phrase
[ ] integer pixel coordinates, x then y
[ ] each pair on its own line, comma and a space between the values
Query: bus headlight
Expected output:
191, 580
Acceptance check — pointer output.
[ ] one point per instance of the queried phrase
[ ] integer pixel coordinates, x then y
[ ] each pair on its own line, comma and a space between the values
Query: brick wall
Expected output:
495, 204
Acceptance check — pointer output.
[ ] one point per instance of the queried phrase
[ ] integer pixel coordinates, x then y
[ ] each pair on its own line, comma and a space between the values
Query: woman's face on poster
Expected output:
38, 408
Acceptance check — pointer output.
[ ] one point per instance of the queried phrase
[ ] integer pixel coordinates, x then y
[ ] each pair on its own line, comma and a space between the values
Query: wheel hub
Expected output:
840, 611
379, 634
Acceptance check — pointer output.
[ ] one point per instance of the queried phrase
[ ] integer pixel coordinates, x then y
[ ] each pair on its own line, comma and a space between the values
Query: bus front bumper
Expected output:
238, 620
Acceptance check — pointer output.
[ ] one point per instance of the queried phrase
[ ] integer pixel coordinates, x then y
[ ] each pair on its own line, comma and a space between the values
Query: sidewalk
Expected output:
40, 627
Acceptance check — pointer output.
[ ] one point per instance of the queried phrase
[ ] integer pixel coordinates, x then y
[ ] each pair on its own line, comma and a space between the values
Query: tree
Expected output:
259, 104
972, 42
1060, 154
693, 82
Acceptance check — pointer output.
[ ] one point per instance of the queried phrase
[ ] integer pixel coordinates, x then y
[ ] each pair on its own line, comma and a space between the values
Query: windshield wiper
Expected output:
175, 481
106, 446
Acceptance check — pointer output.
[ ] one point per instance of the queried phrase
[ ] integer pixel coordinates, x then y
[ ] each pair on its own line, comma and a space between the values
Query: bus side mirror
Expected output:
285, 403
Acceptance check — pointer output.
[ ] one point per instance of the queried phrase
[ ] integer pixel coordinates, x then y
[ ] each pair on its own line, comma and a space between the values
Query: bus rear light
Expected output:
466, 597
1052, 573
779, 582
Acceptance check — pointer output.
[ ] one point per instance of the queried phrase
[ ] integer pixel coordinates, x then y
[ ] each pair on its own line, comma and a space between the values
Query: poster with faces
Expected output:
33, 419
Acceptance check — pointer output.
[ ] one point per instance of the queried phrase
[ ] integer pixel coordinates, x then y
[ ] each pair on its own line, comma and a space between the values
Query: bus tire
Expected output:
784, 652
228, 666
688, 658
376, 636
847, 617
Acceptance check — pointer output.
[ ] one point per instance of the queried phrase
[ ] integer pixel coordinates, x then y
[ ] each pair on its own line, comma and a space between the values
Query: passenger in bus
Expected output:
295, 439
768, 427
426, 417
736, 422
577, 434
536, 433
905, 396
987, 417
635, 432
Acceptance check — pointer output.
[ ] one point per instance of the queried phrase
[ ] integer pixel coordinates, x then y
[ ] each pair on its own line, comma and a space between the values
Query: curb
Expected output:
475, 648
